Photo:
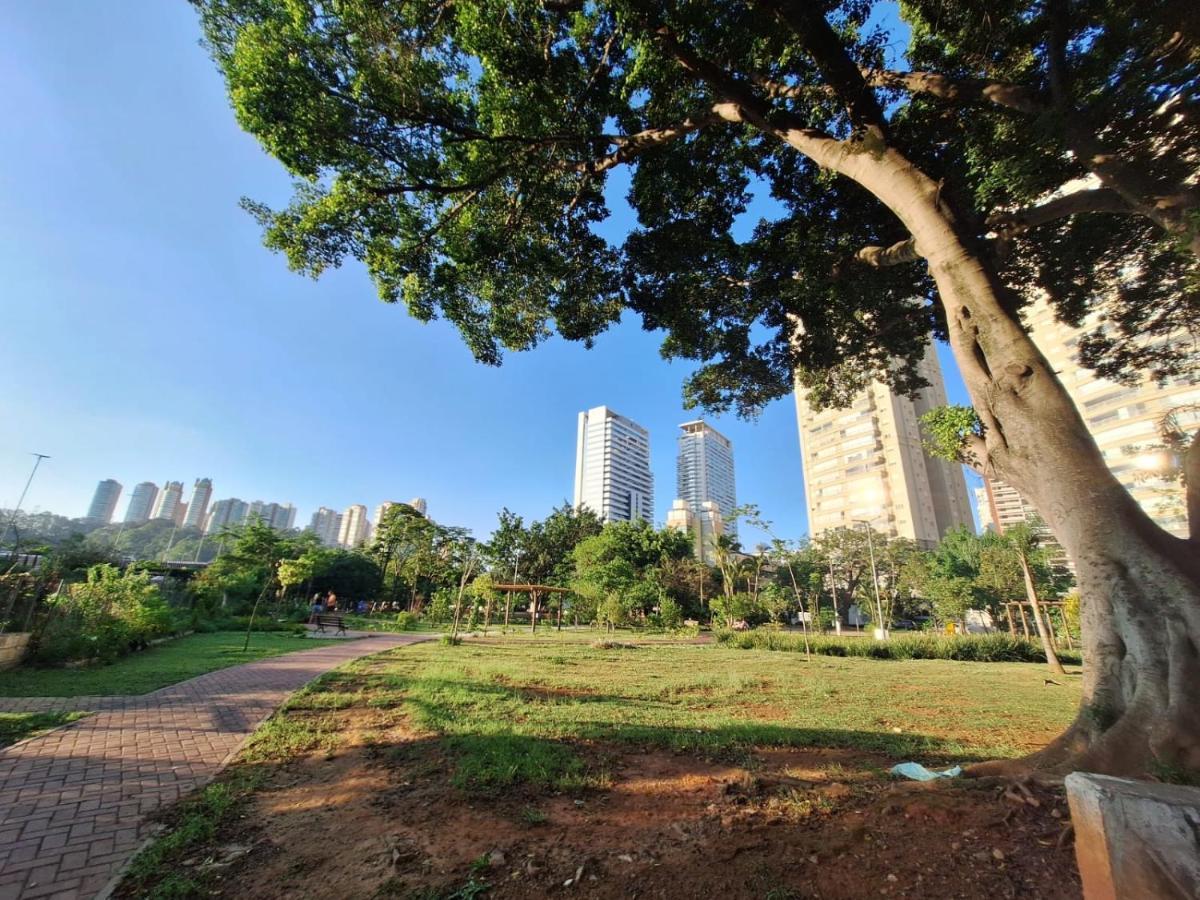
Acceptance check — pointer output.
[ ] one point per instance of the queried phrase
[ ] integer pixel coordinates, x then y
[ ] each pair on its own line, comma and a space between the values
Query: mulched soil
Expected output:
380, 819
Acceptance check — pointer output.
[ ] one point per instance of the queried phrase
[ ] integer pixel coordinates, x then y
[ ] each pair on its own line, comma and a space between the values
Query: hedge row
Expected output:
966, 648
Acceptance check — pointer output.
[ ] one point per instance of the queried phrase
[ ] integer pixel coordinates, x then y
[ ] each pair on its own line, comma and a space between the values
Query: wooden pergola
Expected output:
1047, 605
535, 591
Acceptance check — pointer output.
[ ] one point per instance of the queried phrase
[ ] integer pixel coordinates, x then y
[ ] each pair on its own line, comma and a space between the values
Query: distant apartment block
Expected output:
867, 463
141, 503
104, 502
280, 516
704, 526
704, 471
326, 524
197, 510
612, 467
1124, 420
227, 514
419, 504
355, 527
381, 509
169, 500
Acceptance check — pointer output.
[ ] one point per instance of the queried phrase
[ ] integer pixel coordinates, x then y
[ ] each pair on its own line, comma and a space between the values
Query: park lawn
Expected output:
153, 668
632, 759
17, 726
504, 699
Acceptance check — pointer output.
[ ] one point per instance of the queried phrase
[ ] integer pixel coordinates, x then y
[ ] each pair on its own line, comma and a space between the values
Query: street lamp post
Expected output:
13, 518
880, 632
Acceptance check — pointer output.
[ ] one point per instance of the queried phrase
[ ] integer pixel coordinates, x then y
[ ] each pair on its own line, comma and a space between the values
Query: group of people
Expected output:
329, 603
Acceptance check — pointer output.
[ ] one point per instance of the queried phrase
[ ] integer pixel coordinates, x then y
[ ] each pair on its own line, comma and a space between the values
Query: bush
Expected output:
964, 648
106, 616
670, 614
407, 621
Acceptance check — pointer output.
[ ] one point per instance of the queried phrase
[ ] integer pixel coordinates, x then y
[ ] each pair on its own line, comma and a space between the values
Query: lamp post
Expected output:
881, 631
13, 518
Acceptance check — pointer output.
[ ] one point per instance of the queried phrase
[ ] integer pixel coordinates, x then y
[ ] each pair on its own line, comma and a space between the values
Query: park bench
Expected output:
332, 621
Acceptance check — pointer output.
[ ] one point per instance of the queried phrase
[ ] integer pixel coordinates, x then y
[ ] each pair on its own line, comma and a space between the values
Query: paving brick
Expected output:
74, 803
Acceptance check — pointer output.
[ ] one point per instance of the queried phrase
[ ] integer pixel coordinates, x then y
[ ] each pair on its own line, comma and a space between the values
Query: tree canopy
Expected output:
462, 151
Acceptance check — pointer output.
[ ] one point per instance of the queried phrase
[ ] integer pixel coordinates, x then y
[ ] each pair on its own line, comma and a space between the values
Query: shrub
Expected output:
407, 621
964, 648
670, 614
106, 616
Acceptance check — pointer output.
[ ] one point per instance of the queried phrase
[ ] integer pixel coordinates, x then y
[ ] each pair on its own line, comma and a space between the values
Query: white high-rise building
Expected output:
141, 503
326, 524
197, 511
104, 502
383, 508
169, 500
866, 463
355, 527
419, 504
612, 467
704, 471
227, 514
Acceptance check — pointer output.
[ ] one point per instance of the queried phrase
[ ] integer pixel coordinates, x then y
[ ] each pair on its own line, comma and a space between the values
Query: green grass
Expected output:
961, 648
151, 669
18, 726
516, 712
155, 871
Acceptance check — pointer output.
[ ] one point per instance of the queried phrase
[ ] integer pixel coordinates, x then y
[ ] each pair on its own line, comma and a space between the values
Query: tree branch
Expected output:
833, 61
629, 146
1010, 223
897, 254
962, 90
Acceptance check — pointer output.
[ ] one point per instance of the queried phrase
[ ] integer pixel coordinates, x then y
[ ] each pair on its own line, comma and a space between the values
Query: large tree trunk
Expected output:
1140, 585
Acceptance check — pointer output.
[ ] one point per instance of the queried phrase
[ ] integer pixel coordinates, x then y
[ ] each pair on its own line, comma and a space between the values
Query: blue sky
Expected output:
146, 334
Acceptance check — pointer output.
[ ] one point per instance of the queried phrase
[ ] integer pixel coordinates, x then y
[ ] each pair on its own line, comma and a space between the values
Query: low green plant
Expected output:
407, 621
962, 648
17, 726
106, 616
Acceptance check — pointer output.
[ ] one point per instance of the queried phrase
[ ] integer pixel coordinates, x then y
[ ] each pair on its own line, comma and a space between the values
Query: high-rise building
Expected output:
141, 503
168, 501
227, 514
283, 516
354, 527
612, 467
197, 508
1124, 419
866, 463
326, 524
704, 526
419, 504
383, 508
704, 470
104, 502
181, 511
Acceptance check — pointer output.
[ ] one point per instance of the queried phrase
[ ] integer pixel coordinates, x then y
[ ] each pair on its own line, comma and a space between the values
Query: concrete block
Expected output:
12, 649
1135, 840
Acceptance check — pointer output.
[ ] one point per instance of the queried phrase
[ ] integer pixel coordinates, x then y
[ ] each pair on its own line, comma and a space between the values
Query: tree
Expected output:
1017, 551
461, 152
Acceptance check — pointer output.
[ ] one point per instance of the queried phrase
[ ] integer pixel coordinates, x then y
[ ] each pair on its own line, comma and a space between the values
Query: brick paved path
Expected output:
74, 803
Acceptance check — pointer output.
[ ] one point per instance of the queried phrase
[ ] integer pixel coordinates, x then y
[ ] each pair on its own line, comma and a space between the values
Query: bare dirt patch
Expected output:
379, 818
